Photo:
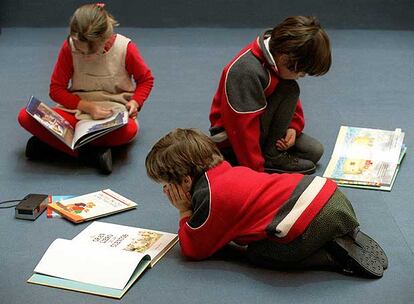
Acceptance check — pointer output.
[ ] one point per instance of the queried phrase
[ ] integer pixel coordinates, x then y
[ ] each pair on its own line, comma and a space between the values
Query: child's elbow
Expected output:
194, 254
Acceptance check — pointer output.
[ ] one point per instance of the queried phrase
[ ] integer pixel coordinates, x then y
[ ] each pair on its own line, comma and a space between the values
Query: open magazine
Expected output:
104, 259
82, 133
366, 158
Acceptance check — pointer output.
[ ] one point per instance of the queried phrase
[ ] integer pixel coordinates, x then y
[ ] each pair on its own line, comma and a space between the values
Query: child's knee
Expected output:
316, 153
129, 132
24, 118
132, 129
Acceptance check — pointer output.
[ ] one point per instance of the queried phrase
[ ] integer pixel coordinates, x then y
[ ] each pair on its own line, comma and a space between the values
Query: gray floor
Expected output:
370, 85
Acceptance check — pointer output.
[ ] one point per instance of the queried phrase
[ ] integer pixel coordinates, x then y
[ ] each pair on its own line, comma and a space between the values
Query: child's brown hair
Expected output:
91, 23
306, 44
180, 153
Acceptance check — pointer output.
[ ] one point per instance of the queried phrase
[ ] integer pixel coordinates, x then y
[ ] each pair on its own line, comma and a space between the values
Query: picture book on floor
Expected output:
54, 199
91, 206
84, 131
366, 158
104, 259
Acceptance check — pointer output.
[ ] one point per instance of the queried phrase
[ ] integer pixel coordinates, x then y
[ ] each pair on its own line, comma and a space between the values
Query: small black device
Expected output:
31, 206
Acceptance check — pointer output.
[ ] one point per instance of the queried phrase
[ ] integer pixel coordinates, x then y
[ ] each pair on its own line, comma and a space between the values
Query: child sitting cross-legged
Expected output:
97, 73
286, 221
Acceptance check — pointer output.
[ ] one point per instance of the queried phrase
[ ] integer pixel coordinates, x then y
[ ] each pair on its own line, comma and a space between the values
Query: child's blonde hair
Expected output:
306, 44
92, 24
180, 153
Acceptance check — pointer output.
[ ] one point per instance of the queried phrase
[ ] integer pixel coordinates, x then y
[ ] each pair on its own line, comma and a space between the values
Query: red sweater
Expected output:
242, 205
63, 71
240, 100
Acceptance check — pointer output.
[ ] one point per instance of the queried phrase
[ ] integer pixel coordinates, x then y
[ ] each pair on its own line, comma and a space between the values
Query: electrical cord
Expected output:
9, 201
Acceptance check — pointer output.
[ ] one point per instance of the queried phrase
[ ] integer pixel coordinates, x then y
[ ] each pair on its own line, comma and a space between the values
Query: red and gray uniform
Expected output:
241, 205
245, 85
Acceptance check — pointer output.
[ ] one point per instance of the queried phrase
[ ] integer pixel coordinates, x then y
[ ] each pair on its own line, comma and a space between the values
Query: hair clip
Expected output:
100, 4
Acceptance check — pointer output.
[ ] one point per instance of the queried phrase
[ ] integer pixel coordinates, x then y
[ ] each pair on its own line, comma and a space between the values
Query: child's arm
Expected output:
298, 120
241, 107
201, 237
62, 73
179, 199
136, 66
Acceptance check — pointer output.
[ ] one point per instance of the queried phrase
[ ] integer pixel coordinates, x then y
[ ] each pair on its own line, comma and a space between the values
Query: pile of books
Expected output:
366, 158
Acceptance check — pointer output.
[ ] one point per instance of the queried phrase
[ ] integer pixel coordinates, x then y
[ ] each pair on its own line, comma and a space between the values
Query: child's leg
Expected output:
120, 136
35, 128
337, 218
279, 112
307, 147
275, 121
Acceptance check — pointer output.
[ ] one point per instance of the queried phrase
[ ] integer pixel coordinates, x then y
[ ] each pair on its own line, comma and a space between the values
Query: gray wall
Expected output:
340, 14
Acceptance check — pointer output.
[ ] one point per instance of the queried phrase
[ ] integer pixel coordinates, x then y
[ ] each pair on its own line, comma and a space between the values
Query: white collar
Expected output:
266, 44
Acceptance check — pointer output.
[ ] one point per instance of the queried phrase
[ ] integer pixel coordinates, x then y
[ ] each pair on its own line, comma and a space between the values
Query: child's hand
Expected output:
95, 110
133, 108
179, 198
287, 142
100, 112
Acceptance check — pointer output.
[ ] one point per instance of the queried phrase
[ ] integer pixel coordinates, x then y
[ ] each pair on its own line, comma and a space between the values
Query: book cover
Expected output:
364, 157
51, 120
55, 198
93, 205
84, 131
82, 264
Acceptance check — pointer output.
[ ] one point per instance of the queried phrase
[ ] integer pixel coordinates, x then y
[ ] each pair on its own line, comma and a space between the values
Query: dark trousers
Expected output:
274, 123
336, 219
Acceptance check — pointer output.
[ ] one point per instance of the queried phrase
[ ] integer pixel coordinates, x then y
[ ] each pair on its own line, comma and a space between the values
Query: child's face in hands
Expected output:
178, 195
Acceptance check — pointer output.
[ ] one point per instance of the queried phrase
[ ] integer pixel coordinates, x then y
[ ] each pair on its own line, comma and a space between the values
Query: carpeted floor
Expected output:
370, 85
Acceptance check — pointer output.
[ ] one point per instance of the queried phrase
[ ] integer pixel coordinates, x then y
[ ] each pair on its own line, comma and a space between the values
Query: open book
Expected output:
84, 131
104, 259
92, 205
366, 158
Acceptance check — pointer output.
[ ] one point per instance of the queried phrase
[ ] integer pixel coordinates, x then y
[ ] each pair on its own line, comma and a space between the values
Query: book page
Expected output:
51, 120
374, 173
365, 156
80, 262
139, 240
92, 205
87, 130
368, 144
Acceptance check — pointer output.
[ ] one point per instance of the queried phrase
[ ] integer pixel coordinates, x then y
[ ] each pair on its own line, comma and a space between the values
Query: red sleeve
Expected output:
62, 73
243, 131
136, 66
242, 102
203, 242
298, 120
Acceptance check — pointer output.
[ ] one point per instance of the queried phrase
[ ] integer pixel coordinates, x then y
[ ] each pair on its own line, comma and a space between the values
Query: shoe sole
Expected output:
371, 246
273, 170
348, 252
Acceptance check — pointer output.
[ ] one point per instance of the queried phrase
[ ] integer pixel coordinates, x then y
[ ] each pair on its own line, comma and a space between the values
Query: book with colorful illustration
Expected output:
92, 205
366, 158
54, 199
84, 131
81, 264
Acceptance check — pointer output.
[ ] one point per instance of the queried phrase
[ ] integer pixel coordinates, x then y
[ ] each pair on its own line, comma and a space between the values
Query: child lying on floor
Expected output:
286, 220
